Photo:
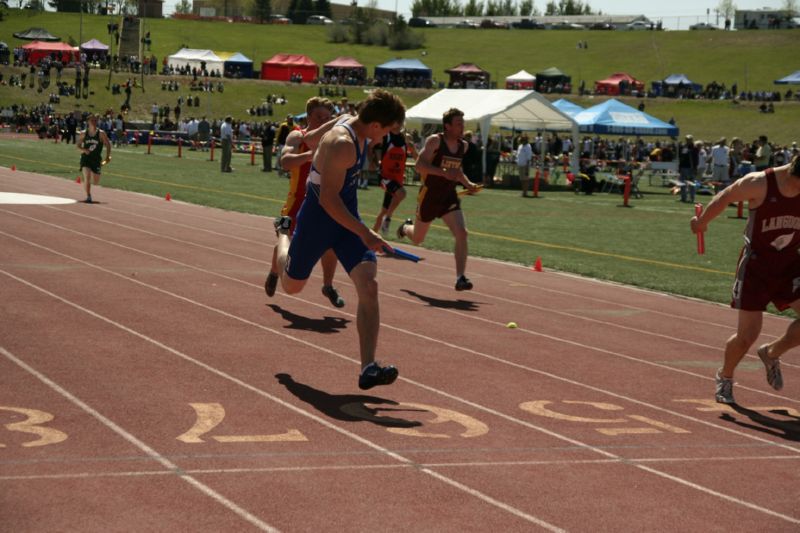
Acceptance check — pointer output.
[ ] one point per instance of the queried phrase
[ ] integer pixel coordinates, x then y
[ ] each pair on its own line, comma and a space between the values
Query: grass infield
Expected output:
648, 245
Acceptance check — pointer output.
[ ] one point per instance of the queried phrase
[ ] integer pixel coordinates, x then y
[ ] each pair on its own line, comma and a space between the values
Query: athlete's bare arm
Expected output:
291, 156
80, 146
751, 188
107, 144
313, 137
337, 153
411, 148
424, 164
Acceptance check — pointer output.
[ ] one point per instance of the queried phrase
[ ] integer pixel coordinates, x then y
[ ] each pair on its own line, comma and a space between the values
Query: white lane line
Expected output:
166, 463
393, 466
717, 348
650, 292
434, 390
453, 483
471, 316
550, 310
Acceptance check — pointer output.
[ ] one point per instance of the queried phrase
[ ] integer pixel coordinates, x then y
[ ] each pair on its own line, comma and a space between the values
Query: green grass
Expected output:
649, 245
753, 59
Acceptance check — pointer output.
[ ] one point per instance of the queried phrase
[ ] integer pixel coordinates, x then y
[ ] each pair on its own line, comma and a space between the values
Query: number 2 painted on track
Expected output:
210, 415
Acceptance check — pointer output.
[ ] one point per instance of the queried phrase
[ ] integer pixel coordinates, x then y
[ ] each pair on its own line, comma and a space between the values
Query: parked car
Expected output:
279, 19
601, 26
702, 26
466, 23
419, 22
638, 25
318, 19
566, 26
527, 24
496, 24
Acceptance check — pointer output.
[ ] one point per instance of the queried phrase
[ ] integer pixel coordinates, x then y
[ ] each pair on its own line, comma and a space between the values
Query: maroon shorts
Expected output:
760, 281
434, 202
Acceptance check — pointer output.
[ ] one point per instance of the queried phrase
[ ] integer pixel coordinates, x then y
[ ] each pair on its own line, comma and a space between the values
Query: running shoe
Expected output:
271, 284
88, 200
724, 393
373, 375
773, 366
332, 294
463, 284
402, 228
385, 225
283, 225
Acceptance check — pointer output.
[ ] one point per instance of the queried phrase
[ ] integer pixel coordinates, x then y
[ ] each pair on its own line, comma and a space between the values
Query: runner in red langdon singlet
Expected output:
768, 269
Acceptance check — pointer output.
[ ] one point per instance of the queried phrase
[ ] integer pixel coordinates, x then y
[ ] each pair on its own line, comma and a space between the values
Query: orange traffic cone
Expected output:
168, 197
537, 266
13, 167
78, 179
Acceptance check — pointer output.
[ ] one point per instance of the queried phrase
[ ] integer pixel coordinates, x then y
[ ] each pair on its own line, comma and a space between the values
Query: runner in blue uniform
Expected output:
329, 219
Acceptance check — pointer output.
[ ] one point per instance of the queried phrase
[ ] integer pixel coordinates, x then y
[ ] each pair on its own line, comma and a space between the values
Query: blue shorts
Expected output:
314, 234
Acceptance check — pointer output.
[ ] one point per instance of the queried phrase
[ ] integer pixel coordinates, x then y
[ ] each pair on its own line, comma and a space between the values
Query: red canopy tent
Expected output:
618, 83
39, 49
281, 67
343, 67
469, 76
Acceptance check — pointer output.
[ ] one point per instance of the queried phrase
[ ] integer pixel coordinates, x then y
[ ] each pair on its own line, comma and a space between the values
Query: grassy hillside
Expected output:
751, 59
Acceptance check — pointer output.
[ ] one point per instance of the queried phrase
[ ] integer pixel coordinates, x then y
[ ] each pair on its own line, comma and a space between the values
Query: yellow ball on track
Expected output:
511, 325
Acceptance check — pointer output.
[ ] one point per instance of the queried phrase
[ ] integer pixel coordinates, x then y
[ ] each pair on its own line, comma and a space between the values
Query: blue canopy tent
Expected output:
236, 65
676, 85
404, 73
793, 79
614, 117
567, 107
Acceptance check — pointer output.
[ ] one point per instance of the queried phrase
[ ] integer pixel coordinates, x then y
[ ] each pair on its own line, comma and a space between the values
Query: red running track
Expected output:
147, 383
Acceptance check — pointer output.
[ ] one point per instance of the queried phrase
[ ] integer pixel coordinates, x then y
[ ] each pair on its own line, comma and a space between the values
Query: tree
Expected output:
526, 8
436, 8
727, 8
473, 9
322, 7
183, 7
493, 8
261, 10
790, 8
568, 7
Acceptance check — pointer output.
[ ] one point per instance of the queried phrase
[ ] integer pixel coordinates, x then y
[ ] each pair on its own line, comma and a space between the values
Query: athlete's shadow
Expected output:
785, 429
328, 324
460, 305
347, 407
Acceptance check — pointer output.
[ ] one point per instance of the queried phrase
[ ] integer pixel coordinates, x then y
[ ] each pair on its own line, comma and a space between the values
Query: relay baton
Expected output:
402, 254
701, 244
466, 192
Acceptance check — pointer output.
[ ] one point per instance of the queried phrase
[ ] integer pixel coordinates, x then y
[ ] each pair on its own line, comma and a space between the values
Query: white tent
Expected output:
521, 80
194, 58
521, 110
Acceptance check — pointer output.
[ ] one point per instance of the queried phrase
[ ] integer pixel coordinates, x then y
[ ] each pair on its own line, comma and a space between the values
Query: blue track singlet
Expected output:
316, 232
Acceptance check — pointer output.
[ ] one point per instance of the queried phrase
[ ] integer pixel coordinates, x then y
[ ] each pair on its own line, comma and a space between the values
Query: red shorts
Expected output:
433, 203
760, 281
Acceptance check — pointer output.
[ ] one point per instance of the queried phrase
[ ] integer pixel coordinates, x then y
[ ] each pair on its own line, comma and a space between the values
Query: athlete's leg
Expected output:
398, 196
378, 220
747, 330
368, 315
458, 227
289, 284
789, 340
86, 176
328, 261
417, 231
